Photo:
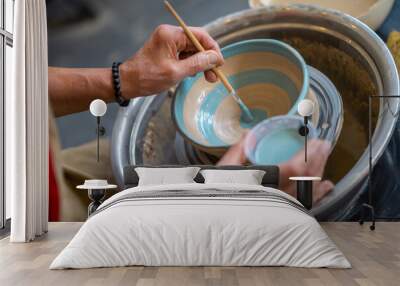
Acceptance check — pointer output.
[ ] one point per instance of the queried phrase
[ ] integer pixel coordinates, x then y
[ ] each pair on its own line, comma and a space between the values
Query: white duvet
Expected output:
206, 230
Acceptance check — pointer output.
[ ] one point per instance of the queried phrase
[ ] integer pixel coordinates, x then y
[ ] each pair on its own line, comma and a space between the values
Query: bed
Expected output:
201, 224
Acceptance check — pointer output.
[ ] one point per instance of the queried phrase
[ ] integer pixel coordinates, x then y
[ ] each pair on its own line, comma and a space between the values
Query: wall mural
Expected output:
337, 68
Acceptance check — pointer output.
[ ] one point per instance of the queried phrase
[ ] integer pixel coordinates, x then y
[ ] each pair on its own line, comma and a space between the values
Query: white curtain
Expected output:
27, 124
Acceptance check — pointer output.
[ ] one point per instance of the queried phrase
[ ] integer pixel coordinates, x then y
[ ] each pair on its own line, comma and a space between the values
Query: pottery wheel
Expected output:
155, 141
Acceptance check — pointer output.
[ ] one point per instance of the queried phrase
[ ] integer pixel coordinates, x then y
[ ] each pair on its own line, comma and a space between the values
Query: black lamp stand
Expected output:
100, 131
303, 131
369, 206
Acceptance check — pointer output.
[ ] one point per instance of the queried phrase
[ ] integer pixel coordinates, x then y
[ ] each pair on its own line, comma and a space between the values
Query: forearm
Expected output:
72, 89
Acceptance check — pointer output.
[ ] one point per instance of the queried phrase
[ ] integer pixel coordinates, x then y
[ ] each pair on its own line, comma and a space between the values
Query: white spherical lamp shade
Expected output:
305, 107
98, 107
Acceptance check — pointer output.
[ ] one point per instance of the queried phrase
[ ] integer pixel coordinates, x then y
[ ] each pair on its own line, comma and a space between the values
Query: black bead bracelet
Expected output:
117, 85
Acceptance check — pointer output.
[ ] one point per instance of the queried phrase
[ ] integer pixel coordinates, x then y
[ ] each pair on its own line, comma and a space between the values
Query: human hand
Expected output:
318, 153
165, 59
235, 154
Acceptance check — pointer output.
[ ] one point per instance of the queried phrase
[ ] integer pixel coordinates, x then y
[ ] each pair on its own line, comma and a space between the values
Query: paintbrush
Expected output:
247, 116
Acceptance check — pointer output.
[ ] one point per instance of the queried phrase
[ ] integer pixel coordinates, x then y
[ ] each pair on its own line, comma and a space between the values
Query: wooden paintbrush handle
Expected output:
223, 79
198, 46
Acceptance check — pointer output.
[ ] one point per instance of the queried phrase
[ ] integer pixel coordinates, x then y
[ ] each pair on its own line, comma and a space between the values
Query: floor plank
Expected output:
375, 257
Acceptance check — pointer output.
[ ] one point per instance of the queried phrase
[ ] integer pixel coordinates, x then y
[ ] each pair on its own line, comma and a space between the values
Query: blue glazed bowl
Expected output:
270, 77
276, 140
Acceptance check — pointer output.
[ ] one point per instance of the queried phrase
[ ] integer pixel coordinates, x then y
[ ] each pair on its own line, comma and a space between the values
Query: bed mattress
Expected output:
201, 225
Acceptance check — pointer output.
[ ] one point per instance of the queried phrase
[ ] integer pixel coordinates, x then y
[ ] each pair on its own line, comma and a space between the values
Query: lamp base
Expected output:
96, 196
305, 193
372, 210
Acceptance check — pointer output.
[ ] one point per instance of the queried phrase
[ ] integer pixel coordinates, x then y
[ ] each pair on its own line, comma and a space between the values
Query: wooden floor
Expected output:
375, 257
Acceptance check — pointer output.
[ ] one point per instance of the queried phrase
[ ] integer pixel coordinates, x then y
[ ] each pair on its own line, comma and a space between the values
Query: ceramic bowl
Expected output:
276, 140
269, 76
371, 12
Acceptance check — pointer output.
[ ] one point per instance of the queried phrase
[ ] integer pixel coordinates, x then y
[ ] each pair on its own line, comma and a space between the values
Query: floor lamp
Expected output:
369, 206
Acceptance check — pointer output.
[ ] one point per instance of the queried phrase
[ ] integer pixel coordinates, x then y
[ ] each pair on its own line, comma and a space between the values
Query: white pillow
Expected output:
163, 176
248, 177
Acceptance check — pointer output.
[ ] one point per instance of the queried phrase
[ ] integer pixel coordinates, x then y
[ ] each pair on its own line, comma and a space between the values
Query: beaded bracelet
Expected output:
117, 85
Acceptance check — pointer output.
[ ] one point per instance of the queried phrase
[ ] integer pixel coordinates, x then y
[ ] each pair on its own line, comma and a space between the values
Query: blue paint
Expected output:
246, 115
278, 147
258, 116
205, 117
